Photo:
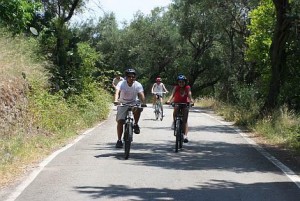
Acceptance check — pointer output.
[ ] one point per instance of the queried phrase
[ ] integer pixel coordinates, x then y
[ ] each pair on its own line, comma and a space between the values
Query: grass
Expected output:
33, 122
282, 128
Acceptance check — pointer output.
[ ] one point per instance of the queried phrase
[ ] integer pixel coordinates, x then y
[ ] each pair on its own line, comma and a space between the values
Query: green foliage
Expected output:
260, 39
49, 119
17, 14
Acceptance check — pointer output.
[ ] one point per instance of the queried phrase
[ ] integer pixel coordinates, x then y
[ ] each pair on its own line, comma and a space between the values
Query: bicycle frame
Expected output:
128, 129
158, 110
178, 126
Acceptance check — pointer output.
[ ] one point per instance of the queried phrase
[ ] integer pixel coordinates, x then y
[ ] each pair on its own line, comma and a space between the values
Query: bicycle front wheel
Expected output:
161, 111
156, 111
178, 135
127, 139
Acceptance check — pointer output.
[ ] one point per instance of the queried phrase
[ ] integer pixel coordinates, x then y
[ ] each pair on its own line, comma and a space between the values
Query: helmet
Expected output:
130, 71
158, 79
181, 77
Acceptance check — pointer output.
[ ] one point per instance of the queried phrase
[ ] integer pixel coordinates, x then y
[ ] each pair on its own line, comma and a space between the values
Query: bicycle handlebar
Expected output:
130, 104
181, 104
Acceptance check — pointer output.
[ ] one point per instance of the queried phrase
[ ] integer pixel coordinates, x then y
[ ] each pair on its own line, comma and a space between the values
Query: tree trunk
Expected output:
278, 55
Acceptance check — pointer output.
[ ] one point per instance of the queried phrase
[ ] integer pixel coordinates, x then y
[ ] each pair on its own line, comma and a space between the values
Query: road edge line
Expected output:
286, 170
24, 184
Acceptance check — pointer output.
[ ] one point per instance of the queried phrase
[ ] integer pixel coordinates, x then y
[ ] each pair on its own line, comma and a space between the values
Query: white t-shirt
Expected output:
116, 80
129, 94
158, 88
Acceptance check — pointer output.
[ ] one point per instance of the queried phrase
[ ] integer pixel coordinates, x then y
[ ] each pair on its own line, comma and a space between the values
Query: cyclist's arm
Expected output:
164, 88
190, 96
142, 97
172, 96
117, 95
152, 89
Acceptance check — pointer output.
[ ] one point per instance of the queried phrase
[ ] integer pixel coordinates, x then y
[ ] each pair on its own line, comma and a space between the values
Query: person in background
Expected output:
117, 79
128, 91
159, 89
181, 93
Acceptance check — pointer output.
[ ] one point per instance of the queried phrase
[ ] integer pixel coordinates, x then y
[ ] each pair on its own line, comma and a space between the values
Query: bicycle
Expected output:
178, 124
128, 127
158, 107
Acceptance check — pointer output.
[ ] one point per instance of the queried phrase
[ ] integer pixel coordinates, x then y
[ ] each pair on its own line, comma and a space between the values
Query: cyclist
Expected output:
117, 79
181, 93
158, 88
128, 91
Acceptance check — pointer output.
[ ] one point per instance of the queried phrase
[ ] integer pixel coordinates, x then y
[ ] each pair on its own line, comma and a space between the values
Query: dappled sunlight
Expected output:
212, 190
194, 156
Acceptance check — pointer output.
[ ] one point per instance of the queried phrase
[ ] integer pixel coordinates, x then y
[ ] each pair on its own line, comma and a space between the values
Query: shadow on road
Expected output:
217, 190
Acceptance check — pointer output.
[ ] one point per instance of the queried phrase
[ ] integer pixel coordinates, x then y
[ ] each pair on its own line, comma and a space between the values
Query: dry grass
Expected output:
17, 67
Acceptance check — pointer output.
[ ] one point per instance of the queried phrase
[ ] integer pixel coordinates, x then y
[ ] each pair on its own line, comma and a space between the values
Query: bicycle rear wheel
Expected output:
178, 135
127, 139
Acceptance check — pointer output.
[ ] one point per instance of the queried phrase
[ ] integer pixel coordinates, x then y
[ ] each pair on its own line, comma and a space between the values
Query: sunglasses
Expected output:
131, 76
181, 81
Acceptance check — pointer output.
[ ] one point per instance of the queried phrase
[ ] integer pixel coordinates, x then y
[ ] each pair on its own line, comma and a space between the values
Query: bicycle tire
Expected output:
127, 139
156, 111
178, 135
181, 137
161, 111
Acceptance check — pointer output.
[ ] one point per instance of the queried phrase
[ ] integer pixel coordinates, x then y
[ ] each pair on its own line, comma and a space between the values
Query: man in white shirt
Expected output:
128, 91
117, 79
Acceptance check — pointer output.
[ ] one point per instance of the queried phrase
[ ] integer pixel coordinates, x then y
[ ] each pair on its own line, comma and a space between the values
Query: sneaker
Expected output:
119, 144
136, 129
186, 140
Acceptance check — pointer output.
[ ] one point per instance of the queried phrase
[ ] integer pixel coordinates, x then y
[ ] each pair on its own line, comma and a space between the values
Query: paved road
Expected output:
217, 164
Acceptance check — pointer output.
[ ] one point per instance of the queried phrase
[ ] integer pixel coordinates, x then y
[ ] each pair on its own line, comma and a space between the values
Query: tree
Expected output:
56, 39
278, 54
16, 15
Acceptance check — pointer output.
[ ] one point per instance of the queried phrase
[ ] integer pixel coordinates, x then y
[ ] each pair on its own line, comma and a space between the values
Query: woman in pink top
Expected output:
182, 94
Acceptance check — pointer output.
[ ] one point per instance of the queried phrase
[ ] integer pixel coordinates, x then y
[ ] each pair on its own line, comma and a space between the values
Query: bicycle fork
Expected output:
129, 125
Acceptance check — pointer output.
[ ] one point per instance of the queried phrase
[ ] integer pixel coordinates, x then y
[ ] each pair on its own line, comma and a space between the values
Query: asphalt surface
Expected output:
218, 164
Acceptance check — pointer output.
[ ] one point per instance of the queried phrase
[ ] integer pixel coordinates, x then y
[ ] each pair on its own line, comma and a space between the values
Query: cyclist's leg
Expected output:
136, 116
174, 117
120, 129
185, 120
161, 103
154, 100
185, 123
120, 118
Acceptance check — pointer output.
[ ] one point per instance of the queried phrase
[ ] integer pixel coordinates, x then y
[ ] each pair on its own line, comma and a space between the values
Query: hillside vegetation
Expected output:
34, 122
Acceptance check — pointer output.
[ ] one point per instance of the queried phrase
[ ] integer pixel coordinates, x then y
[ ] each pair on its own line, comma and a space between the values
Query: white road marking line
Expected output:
20, 188
287, 171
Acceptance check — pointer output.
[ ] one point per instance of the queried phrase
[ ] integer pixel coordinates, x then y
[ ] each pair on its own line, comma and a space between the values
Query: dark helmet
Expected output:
158, 79
130, 71
181, 77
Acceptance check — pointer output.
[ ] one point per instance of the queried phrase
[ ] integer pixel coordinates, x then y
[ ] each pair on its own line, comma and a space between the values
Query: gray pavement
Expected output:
217, 164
